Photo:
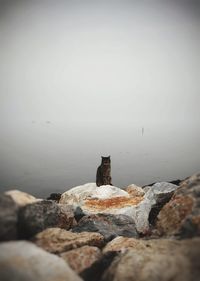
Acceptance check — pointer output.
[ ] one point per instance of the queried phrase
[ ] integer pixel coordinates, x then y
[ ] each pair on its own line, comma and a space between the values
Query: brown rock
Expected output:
155, 260
82, 258
57, 240
181, 215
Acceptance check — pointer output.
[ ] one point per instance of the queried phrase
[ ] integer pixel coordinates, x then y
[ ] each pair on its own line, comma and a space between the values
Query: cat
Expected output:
103, 176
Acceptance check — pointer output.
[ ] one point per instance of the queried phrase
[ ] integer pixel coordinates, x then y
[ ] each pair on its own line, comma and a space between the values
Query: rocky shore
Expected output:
103, 233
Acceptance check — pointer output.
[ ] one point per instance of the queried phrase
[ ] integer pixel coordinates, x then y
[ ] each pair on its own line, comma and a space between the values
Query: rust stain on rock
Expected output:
112, 203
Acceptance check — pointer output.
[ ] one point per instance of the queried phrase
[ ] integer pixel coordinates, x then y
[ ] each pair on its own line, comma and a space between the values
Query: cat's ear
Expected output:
102, 157
109, 156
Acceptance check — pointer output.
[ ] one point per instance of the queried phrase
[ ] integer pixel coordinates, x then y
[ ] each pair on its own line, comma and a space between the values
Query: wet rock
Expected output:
97, 269
8, 218
54, 196
82, 258
34, 218
156, 260
21, 198
57, 240
181, 215
22, 261
109, 226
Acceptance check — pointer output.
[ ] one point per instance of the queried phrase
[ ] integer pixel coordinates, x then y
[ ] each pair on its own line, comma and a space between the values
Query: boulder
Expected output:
107, 199
21, 198
155, 260
181, 215
82, 258
109, 226
57, 240
34, 218
22, 261
8, 218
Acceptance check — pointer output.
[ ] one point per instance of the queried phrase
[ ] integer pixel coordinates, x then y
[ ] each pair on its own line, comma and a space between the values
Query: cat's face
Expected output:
105, 160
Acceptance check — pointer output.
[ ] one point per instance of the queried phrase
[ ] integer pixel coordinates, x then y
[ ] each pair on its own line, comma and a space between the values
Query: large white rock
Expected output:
23, 261
113, 200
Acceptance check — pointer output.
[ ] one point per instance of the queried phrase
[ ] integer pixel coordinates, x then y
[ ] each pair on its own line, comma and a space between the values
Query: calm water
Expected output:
47, 157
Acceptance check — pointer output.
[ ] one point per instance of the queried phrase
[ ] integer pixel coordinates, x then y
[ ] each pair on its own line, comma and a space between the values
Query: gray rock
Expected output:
110, 226
34, 218
8, 218
23, 261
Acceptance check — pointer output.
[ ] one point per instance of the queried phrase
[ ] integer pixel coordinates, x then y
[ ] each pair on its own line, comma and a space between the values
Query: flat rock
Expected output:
155, 260
34, 218
57, 240
8, 218
24, 261
110, 226
82, 258
21, 198
181, 215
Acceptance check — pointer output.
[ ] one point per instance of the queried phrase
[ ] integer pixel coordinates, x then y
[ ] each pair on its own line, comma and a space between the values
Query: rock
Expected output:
156, 260
109, 199
121, 244
21, 198
159, 194
134, 190
78, 213
181, 215
82, 258
54, 196
36, 217
8, 218
79, 195
104, 199
57, 240
176, 182
96, 270
109, 226
22, 261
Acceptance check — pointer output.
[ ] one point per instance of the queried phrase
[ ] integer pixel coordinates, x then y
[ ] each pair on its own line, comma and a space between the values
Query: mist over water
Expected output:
79, 81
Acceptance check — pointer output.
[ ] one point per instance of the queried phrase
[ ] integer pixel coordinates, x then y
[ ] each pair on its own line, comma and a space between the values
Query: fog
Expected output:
81, 79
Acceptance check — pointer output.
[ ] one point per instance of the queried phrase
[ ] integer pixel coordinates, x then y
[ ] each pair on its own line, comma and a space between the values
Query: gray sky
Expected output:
81, 79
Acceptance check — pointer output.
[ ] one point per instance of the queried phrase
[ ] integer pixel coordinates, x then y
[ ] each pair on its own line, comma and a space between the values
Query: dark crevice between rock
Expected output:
95, 272
156, 209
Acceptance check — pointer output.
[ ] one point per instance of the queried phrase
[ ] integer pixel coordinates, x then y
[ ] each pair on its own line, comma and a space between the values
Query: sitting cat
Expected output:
103, 176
